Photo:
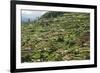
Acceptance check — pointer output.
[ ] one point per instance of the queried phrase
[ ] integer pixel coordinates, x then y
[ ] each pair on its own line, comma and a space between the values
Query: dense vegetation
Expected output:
56, 36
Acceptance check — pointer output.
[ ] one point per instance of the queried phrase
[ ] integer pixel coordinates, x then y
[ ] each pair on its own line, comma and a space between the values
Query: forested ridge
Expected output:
56, 36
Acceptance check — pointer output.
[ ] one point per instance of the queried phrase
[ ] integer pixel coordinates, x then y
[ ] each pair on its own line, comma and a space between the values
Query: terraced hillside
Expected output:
56, 36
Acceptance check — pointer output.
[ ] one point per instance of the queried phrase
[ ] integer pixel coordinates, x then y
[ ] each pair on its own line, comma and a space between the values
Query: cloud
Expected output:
30, 12
26, 12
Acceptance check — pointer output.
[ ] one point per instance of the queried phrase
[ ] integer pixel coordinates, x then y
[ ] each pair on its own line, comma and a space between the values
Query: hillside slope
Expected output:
56, 36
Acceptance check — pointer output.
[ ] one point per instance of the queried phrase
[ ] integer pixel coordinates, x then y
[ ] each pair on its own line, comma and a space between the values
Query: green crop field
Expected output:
56, 36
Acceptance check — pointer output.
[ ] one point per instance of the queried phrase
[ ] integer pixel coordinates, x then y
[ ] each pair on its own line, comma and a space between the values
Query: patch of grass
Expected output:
56, 36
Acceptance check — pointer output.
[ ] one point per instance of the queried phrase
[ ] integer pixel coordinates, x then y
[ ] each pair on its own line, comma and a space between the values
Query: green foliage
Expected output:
26, 58
56, 36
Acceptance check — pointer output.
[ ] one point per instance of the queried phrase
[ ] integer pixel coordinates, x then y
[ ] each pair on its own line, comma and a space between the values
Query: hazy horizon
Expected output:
30, 14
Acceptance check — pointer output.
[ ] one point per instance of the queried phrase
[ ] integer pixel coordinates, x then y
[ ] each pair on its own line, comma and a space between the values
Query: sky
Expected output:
31, 14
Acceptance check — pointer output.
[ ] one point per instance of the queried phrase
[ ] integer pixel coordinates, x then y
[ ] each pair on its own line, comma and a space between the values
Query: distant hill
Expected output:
56, 36
28, 18
52, 14
30, 15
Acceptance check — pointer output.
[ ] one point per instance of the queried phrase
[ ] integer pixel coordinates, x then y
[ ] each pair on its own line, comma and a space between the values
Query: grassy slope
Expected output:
56, 36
